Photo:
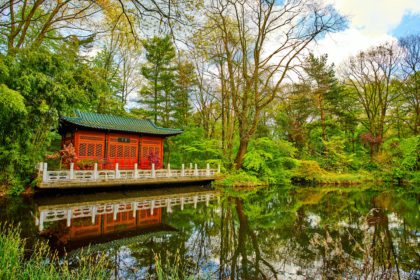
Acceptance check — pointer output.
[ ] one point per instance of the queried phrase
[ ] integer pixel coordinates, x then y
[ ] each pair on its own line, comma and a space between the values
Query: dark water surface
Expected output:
280, 232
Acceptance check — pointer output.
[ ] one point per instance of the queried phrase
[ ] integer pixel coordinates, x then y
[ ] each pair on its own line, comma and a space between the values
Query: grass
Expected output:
42, 264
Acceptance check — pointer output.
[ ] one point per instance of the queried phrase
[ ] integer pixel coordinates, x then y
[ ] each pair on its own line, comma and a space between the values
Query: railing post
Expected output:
153, 171
169, 170
45, 173
208, 169
183, 170
71, 170
69, 216
117, 172
195, 170
95, 171
218, 168
136, 175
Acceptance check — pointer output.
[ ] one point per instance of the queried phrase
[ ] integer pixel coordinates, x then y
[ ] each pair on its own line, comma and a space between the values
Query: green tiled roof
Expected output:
116, 123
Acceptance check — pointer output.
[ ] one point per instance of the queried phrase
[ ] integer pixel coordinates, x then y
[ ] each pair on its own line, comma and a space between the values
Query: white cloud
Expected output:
370, 22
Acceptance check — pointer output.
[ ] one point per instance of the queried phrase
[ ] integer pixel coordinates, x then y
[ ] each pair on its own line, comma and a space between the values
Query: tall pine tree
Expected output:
159, 71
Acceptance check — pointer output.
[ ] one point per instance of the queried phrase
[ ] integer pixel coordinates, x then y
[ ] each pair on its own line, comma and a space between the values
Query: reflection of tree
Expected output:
380, 256
272, 233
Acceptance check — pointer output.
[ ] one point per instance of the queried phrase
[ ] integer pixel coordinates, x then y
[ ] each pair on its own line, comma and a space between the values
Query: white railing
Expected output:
52, 214
72, 175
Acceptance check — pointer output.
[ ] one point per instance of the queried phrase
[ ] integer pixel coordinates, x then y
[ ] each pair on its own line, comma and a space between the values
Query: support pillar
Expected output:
136, 175
45, 173
183, 170
169, 170
117, 171
71, 170
69, 217
153, 171
195, 170
95, 172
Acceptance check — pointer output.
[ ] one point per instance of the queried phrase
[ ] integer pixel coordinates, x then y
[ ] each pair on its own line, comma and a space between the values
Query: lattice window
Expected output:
145, 154
82, 149
120, 151
99, 150
133, 152
126, 152
112, 151
91, 150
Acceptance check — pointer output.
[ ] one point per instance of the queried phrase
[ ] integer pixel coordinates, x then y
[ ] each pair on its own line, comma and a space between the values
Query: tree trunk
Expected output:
243, 146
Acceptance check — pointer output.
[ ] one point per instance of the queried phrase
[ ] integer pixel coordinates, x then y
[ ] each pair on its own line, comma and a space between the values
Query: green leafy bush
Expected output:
270, 160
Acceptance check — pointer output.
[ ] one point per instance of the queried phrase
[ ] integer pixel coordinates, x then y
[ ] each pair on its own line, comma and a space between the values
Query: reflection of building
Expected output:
102, 221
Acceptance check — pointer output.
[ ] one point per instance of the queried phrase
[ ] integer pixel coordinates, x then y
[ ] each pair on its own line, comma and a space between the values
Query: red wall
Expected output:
111, 148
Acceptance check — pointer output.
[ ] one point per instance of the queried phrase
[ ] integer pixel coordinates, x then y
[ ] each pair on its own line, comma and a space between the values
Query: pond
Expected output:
278, 232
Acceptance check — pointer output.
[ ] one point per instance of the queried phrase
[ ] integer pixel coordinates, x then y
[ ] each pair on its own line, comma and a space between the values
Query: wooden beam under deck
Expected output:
123, 182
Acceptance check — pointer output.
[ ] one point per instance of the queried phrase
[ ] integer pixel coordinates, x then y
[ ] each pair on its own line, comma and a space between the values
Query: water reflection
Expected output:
77, 224
271, 233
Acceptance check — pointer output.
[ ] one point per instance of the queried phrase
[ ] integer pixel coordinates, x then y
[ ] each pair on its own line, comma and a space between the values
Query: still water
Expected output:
279, 232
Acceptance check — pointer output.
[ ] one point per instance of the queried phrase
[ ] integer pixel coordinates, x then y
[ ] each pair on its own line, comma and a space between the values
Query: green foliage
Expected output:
159, 71
192, 147
335, 157
410, 152
36, 87
270, 160
42, 264
239, 178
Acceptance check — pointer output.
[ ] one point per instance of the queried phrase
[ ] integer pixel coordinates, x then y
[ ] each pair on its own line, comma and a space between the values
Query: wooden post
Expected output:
133, 206
195, 199
195, 170
208, 169
152, 207
71, 170
218, 168
117, 172
45, 173
115, 208
183, 170
95, 171
168, 205
68, 217
153, 171
136, 175
169, 170
93, 215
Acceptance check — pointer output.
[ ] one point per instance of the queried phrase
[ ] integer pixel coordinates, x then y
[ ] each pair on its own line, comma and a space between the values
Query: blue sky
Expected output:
410, 24
371, 22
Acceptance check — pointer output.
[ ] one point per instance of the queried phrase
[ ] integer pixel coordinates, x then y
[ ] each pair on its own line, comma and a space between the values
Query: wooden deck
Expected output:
78, 179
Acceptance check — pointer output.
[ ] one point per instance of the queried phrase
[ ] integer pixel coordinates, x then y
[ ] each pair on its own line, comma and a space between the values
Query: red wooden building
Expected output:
108, 139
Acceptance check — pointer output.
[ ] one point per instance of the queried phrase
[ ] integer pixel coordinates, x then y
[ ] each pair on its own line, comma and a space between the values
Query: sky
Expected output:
371, 22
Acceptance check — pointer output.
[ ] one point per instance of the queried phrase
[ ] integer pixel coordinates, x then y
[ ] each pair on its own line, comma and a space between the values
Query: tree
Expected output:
185, 85
410, 86
323, 83
28, 24
255, 72
369, 74
159, 72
